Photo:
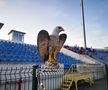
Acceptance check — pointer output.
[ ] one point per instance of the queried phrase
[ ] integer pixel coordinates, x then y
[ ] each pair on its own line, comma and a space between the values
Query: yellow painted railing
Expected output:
73, 75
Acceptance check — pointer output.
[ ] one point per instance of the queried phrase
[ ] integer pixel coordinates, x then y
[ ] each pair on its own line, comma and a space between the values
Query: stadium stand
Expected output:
17, 52
99, 55
20, 52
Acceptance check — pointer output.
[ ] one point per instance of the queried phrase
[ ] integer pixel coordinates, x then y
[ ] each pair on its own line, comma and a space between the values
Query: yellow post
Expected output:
76, 86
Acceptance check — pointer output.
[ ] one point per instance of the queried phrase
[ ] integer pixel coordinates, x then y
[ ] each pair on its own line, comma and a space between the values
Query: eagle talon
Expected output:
49, 58
55, 59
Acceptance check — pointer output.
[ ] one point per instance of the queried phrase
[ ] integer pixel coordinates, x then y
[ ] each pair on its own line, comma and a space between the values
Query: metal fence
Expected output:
15, 78
50, 79
35, 78
19, 77
96, 70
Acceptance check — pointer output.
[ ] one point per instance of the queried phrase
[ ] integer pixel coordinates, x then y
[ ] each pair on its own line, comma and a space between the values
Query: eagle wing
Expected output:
1, 25
42, 43
62, 39
59, 44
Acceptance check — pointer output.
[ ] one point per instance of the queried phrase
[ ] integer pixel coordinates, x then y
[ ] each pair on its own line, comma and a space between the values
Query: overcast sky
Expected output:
30, 16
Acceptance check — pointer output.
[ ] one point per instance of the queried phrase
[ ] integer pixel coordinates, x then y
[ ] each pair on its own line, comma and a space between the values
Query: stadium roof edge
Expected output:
16, 31
17, 42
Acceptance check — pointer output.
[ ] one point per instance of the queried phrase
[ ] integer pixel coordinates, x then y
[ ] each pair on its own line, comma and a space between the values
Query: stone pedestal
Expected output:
51, 64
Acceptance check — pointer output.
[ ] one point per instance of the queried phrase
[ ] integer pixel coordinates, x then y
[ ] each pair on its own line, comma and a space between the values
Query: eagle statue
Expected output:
50, 45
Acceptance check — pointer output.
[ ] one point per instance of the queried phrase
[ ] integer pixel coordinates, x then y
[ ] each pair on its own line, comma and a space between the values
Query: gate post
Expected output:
19, 84
34, 78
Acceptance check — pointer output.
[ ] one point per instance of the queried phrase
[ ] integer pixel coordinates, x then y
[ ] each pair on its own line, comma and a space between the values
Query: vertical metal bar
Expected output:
54, 78
0, 77
58, 74
24, 76
28, 78
10, 77
6, 78
42, 79
39, 77
49, 78
46, 80
20, 79
61, 77
34, 78
83, 22
15, 77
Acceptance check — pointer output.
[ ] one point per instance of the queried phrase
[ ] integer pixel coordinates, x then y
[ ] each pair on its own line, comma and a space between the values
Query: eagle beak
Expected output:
61, 29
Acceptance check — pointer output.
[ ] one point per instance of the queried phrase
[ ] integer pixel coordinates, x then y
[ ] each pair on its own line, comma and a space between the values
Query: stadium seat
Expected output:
17, 52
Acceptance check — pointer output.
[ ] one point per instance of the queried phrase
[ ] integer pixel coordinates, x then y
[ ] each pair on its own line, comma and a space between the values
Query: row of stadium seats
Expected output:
10, 45
7, 47
102, 56
16, 52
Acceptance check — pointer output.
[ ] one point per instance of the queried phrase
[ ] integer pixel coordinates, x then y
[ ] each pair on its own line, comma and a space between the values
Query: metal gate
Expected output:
47, 79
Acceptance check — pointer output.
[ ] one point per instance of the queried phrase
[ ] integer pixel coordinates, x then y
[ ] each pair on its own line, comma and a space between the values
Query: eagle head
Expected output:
57, 30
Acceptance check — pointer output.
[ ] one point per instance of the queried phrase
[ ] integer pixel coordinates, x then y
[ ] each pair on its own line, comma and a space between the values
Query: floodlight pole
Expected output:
83, 23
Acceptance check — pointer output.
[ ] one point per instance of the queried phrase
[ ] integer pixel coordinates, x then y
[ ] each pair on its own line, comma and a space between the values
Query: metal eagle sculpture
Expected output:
50, 45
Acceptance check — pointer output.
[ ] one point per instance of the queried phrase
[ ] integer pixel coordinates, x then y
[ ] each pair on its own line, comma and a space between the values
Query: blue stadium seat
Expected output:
16, 52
